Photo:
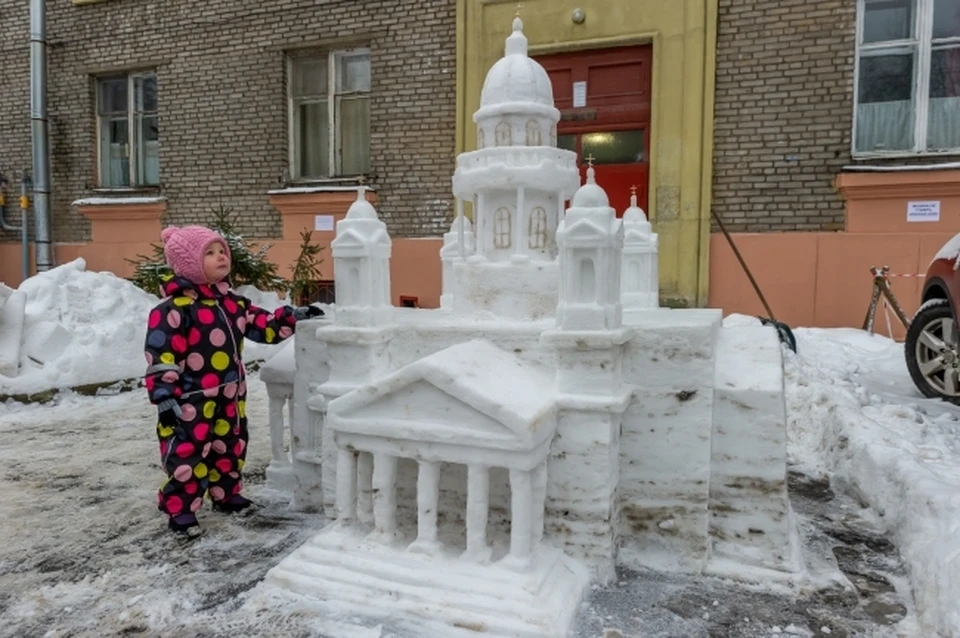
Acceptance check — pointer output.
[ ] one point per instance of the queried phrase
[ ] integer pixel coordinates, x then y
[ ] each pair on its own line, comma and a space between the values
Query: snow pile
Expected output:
854, 413
80, 327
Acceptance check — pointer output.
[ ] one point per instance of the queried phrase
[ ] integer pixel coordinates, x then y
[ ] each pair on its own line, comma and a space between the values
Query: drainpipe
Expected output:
24, 248
38, 133
25, 185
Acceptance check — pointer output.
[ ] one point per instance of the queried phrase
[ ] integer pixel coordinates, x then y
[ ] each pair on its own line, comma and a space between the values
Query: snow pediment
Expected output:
349, 238
587, 229
638, 236
357, 240
584, 229
471, 394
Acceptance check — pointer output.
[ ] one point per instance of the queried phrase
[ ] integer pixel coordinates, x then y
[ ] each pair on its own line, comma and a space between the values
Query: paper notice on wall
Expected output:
579, 94
923, 211
323, 222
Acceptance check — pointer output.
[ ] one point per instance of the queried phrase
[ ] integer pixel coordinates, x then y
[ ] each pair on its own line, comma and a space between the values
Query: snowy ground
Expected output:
85, 552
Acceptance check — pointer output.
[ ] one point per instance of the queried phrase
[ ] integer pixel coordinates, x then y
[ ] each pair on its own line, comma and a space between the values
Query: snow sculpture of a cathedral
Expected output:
482, 462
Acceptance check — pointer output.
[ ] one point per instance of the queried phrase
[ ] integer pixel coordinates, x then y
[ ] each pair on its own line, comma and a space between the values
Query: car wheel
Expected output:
931, 351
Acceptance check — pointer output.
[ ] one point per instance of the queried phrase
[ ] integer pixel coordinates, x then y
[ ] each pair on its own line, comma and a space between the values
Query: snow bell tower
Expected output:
592, 397
591, 241
640, 279
517, 182
361, 262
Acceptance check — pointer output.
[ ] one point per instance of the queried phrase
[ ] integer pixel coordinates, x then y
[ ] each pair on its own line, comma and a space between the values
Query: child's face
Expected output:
216, 263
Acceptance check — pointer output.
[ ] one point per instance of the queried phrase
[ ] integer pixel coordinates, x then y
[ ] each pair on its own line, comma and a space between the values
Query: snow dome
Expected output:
590, 195
635, 215
516, 103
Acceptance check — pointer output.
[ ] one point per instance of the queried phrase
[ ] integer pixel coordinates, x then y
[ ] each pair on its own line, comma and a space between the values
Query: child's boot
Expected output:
235, 503
186, 525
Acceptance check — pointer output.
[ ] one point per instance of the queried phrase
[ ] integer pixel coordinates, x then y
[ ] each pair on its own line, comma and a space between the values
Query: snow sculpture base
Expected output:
525, 290
751, 522
341, 566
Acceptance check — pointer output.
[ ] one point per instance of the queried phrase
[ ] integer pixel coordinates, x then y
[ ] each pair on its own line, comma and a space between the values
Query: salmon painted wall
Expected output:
823, 279
819, 279
810, 279
415, 266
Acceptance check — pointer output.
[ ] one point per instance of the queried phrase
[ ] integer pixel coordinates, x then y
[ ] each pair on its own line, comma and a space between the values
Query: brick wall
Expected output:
222, 99
14, 105
784, 113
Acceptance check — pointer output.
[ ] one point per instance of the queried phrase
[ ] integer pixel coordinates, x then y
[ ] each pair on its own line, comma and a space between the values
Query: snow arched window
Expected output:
631, 275
587, 288
537, 229
352, 288
481, 143
504, 134
533, 133
501, 228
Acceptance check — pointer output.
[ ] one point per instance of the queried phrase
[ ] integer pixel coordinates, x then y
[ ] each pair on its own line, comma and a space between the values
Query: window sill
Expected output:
327, 185
118, 219
294, 189
298, 205
893, 155
119, 200
909, 182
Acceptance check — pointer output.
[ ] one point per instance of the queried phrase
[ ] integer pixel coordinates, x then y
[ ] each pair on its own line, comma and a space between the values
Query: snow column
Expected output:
584, 461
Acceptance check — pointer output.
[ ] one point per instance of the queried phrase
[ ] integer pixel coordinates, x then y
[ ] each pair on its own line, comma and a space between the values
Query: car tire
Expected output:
931, 353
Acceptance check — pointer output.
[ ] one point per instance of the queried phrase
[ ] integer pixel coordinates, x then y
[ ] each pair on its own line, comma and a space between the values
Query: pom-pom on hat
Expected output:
184, 248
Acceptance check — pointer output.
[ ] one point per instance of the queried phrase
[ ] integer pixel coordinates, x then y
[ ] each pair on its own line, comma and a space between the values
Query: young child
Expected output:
195, 374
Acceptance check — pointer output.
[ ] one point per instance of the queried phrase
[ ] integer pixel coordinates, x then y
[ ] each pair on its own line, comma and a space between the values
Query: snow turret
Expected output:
640, 283
590, 239
361, 258
458, 244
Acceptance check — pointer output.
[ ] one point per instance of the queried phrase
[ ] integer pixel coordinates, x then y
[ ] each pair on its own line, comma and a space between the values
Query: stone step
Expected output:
494, 599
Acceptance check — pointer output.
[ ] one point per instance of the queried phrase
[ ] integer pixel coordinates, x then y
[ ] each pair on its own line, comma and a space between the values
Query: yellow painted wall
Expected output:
683, 35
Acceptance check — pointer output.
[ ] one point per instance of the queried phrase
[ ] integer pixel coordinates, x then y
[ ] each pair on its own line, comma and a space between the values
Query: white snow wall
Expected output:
678, 434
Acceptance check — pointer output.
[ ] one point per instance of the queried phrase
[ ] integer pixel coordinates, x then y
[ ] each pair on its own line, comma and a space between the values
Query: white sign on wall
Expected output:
579, 94
923, 211
323, 222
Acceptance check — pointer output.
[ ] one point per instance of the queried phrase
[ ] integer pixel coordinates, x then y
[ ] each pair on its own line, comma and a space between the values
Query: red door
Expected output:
604, 101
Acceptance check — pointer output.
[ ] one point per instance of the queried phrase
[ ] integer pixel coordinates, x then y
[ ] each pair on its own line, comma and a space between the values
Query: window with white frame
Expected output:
128, 130
908, 77
330, 114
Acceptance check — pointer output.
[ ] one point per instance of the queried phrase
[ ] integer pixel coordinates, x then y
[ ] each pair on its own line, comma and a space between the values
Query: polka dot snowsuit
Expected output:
194, 350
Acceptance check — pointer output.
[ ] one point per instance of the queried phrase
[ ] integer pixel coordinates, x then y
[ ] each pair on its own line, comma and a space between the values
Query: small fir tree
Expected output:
306, 270
249, 264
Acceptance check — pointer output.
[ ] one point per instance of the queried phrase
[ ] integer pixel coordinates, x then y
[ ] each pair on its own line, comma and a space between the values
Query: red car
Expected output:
931, 344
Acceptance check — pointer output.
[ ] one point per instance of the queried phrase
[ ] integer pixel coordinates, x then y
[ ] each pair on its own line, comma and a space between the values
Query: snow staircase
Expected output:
373, 579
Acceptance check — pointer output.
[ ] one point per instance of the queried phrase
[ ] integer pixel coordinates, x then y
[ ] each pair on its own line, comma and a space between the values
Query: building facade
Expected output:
832, 116
809, 126
161, 111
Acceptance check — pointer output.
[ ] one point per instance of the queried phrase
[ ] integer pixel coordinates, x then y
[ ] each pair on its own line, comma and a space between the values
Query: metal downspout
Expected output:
38, 134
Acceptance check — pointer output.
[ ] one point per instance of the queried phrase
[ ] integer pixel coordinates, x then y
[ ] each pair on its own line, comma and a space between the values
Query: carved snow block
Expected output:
750, 515
581, 508
665, 446
515, 291
310, 357
12, 308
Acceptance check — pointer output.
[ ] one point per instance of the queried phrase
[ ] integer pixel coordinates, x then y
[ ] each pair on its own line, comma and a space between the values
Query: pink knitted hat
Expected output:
184, 248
